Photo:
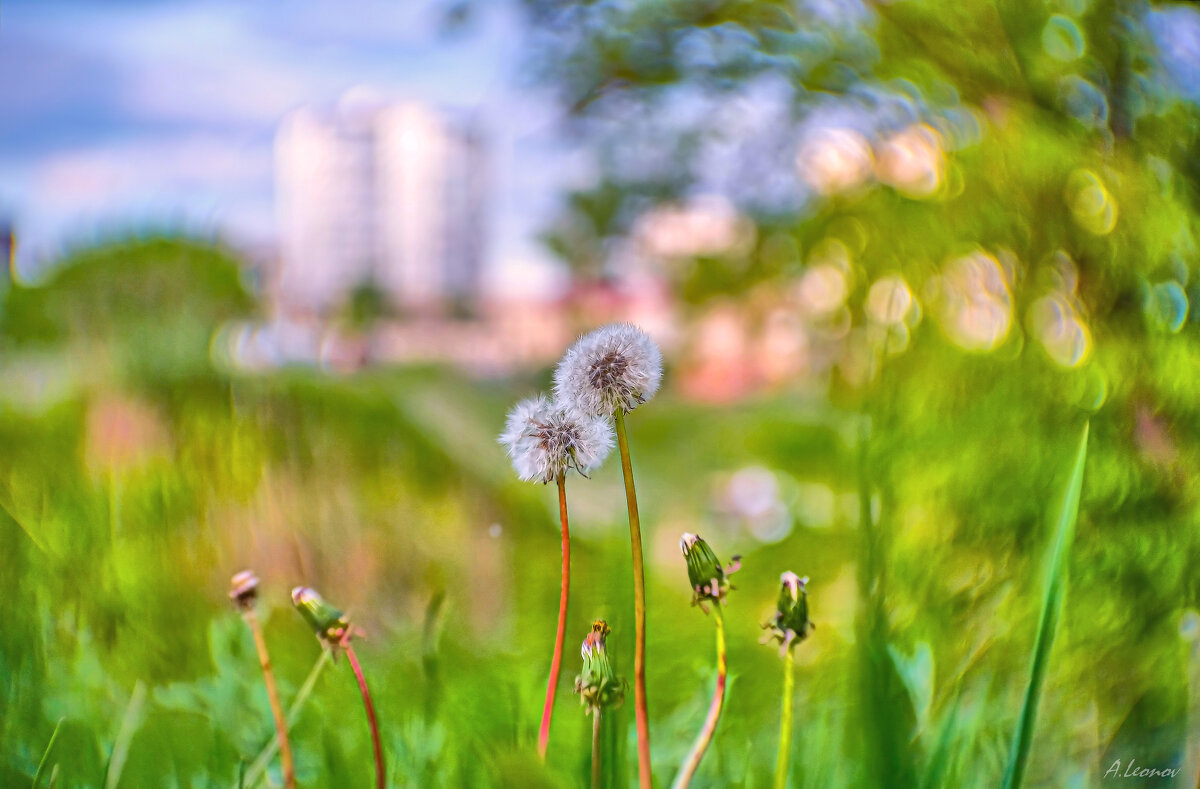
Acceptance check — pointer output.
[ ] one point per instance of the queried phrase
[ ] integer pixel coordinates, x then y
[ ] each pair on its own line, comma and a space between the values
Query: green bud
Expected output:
598, 685
329, 623
708, 578
791, 624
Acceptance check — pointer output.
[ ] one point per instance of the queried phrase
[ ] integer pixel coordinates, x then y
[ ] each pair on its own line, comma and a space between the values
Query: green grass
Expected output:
1054, 592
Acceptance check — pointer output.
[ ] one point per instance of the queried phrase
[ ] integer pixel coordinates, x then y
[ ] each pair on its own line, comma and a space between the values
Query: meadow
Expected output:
140, 473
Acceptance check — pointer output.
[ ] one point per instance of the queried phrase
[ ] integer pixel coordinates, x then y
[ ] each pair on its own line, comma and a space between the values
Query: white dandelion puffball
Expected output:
544, 439
615, 366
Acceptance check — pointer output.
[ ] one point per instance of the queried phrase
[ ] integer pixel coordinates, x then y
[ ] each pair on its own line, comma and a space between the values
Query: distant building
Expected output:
8, 249
389, 195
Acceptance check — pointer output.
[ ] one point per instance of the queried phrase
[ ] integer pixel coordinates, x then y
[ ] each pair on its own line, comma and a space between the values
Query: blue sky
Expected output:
122, 115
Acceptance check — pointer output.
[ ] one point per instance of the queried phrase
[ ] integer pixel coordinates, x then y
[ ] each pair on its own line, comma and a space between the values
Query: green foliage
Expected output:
1058, 558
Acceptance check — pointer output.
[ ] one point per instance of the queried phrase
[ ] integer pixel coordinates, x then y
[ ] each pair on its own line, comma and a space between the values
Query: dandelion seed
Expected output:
614, 367
544, 440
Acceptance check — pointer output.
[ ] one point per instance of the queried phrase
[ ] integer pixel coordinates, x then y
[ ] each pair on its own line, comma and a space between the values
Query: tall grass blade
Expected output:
129, 725
37, 777
1052, 603
258, 768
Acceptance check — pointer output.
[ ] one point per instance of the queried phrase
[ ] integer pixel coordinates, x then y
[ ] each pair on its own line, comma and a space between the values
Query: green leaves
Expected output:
1052, 602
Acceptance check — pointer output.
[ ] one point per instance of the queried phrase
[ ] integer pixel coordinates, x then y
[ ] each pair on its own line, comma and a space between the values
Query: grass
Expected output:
1054, 592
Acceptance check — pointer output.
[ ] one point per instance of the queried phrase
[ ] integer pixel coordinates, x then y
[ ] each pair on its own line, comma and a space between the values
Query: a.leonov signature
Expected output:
1132, 770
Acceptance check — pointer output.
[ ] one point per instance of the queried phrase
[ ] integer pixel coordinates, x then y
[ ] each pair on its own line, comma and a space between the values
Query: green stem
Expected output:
785, 722
692, 762
37, 777
556, 660
597, 774
641, 709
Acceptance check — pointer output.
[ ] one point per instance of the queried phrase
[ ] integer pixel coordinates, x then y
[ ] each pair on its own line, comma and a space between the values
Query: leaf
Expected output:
1052, 603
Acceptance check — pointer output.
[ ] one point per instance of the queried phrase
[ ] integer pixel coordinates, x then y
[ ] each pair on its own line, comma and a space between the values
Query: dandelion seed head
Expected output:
615, 366
545, 439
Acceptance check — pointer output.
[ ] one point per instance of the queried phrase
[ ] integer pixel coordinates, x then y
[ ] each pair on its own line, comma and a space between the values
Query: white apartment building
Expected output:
390, 194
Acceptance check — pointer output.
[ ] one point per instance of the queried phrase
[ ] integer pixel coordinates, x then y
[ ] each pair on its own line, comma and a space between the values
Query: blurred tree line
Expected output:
988, 210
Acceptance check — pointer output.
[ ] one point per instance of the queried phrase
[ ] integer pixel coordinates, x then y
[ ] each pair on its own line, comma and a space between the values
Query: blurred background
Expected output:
277, 274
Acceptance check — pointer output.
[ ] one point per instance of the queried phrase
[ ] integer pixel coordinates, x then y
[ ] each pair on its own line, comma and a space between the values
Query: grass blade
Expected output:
1052, 603
129, 724
37, 777
258, 768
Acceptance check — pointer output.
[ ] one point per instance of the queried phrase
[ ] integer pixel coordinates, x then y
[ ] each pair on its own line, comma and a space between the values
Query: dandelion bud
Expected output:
614, 367
790, 624
708, 578
243, 590
545, 439
330, 624
598, 685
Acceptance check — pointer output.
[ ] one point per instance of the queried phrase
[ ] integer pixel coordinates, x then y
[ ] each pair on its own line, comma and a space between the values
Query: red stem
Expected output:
556, 661
380, 773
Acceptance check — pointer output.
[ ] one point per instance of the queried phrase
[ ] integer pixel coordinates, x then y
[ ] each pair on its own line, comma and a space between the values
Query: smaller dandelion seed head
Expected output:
614, 367
544, 440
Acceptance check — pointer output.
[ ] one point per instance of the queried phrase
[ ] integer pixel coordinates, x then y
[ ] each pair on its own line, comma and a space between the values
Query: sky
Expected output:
120, 116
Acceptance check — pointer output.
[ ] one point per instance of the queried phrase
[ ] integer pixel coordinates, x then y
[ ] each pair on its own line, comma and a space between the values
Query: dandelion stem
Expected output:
258, 767
556, 661
641, 710
714, 709
264, 659
597, 774
380, 773
785, 722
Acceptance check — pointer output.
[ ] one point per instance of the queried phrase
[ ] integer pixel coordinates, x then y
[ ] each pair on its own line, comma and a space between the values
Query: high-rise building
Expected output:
384, 194
8, 250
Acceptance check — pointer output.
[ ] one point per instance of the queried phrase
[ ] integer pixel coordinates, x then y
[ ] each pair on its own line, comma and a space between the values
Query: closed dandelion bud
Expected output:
243, 590
330, 624
791, 624
709, 580
598, 685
